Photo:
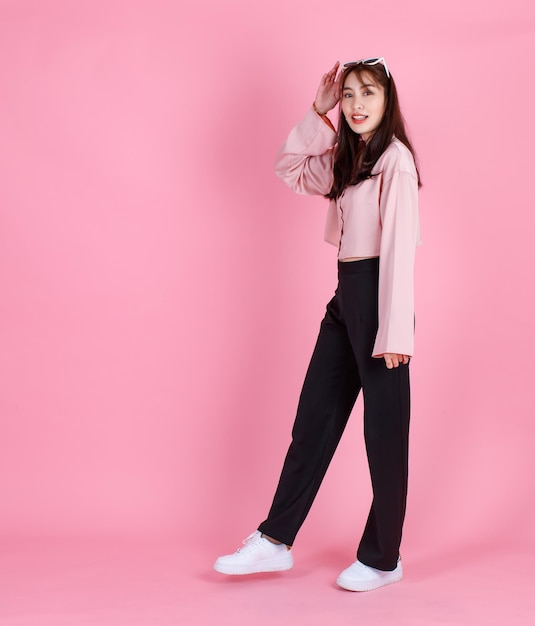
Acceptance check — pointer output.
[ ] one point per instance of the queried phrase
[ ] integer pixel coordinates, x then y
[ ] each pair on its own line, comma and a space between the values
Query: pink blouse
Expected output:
377, 217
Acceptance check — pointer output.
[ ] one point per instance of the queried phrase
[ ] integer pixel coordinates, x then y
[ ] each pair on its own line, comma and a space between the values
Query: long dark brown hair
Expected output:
354, 159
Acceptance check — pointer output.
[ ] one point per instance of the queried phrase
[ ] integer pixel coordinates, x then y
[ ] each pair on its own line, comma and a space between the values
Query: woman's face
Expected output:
363, 104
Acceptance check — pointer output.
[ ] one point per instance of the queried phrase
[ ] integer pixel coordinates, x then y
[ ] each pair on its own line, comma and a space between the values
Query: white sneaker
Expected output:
258, 555
360, 577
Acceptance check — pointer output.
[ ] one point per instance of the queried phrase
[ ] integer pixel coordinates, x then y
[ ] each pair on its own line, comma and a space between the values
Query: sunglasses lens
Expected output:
371, 61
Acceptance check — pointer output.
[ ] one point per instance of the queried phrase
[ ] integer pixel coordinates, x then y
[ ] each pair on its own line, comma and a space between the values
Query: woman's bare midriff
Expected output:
357, 258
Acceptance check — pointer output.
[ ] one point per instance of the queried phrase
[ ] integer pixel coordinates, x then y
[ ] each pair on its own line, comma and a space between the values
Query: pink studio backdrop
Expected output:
161, 289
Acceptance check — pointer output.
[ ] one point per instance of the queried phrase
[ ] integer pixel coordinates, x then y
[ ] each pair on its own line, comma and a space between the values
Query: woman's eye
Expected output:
347, 95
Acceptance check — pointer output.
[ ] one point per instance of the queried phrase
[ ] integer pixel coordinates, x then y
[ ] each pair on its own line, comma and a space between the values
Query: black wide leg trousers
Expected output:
340, 367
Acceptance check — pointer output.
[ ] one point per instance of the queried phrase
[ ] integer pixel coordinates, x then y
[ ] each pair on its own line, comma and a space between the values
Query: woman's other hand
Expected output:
328, 93
394, 360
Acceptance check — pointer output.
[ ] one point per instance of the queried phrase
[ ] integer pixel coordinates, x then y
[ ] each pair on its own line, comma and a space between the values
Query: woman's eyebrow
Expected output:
361, 87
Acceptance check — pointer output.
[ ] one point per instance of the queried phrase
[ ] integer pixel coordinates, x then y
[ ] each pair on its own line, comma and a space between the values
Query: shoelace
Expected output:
252, 540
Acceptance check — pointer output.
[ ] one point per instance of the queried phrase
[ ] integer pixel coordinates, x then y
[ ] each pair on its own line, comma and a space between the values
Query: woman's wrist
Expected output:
320, 113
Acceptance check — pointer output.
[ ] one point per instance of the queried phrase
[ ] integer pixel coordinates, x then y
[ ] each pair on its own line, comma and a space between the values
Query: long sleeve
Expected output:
399, 238
304, 162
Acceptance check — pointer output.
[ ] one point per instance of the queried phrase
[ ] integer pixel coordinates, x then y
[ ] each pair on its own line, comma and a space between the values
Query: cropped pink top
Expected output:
377, 217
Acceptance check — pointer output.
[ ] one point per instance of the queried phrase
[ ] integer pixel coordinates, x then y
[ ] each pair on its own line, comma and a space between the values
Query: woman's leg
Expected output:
386, 395
386, 432
329, 392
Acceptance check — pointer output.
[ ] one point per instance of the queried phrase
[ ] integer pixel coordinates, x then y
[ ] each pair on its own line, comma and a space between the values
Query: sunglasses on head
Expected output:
370, 61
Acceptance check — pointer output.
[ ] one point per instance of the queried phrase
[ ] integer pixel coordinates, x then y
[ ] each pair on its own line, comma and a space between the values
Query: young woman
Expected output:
367, 171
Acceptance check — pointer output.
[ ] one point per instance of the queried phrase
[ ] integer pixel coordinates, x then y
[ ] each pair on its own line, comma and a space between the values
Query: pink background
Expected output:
161, 291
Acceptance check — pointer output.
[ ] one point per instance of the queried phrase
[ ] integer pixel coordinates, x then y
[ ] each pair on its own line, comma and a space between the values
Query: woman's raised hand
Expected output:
328, 92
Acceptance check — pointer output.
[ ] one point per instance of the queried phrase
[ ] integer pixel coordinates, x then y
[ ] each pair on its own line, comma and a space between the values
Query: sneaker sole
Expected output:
351, 586
255, 568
